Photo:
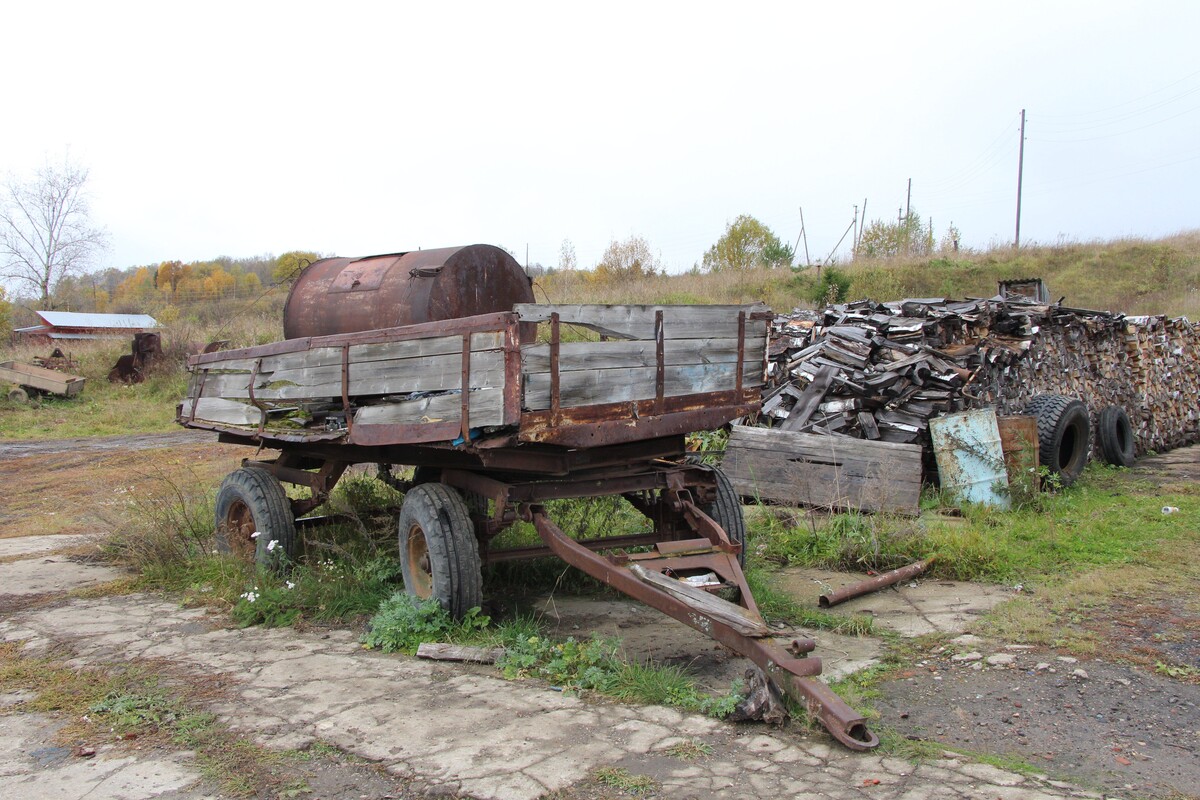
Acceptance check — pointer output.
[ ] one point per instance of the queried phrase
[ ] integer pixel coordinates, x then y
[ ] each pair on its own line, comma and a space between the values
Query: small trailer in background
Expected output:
499, 413
28, 379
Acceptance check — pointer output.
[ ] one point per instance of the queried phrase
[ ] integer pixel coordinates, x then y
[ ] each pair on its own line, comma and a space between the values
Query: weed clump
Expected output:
404, 622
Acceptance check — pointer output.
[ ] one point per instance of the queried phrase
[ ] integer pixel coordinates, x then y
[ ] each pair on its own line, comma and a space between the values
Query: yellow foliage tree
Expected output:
219, 283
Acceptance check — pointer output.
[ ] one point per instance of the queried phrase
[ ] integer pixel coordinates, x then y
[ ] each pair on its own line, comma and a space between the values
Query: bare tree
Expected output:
45, 232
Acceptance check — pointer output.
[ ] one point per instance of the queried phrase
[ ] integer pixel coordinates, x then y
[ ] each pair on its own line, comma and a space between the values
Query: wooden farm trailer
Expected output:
500, 413
28, 378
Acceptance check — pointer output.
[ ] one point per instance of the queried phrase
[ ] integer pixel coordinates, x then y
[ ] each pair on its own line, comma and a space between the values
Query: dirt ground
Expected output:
1111, 724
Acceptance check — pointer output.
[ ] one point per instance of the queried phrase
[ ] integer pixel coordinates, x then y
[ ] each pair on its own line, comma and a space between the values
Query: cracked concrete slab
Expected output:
462, 728
51, 575
34, 766
32, 545
911, 608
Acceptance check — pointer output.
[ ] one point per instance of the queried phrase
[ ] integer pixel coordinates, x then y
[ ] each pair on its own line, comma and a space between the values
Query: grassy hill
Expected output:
1133, 276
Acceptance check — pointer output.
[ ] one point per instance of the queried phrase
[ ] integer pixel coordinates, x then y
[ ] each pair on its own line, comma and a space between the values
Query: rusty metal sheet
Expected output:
1019, 438
612, 423
970, 458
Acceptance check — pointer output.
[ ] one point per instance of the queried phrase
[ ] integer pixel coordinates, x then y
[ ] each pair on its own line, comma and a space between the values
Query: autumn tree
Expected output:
747, 243
909, 236
5, 312
289, 265
566, 256
627, 260
170, 273
45, 228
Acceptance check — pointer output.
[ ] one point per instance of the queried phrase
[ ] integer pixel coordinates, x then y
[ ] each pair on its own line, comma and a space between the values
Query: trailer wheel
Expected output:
1064, 434
253, 501
439, 555
727, 511
18, 395
1116, 436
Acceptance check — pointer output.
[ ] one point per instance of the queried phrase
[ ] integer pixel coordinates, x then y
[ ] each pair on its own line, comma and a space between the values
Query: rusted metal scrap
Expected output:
57, 360
132, 368
873, 584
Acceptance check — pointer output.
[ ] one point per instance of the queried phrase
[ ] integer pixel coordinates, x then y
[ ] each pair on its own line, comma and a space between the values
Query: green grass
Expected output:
775, 604
624, 781
103, 408
1107, 518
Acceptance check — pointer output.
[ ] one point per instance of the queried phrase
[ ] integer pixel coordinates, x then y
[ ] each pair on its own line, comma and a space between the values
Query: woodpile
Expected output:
881, 370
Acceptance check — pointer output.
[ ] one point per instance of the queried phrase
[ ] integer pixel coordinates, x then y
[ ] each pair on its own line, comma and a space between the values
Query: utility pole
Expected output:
804, 235
908, 201
1020, 175
854, 236
861, 227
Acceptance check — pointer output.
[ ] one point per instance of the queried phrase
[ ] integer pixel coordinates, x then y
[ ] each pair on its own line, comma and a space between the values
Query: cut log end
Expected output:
763, 701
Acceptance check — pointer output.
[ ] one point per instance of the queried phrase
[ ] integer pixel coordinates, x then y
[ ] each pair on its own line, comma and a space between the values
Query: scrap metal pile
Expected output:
881, 371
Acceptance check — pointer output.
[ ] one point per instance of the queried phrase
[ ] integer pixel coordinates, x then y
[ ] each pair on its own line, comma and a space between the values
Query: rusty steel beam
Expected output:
873, 584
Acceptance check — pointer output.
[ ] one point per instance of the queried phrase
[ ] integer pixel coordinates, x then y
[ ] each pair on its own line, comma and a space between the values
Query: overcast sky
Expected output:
356, 128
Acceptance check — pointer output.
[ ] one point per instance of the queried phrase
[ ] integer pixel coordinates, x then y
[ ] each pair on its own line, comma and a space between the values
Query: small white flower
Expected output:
249, 597
256, 534
271, 544
291, 585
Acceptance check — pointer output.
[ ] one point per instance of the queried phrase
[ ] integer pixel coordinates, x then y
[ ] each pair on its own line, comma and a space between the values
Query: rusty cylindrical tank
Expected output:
345, 295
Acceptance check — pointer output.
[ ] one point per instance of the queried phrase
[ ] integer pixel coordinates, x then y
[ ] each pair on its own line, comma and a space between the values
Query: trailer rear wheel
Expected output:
439, 555
726, 510
254, 519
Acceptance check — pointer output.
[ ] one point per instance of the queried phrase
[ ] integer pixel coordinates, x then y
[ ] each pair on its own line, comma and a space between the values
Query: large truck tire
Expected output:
1064, 435
1116, 436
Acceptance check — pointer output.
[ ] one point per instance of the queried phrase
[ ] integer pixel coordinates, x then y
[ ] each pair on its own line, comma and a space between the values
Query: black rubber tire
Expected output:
727, 511
1064, 435
1116, 436
439, 554
252, 500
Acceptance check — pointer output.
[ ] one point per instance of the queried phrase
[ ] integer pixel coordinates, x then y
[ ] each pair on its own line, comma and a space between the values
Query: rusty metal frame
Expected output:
321, 482
793, 674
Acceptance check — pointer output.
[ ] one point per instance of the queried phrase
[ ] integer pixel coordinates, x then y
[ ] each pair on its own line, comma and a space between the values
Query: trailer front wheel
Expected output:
726, 510
439, 555
254, 519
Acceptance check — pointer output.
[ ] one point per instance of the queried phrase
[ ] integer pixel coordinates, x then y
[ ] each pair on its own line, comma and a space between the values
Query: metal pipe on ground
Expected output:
873, 584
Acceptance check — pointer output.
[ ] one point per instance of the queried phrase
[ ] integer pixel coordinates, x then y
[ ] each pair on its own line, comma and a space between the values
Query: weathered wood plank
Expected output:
810, 398
591, 387
743, 620
824, 471
425, 374
380, 351
487, 409
637, 321
229, 412
440, 651
625, 354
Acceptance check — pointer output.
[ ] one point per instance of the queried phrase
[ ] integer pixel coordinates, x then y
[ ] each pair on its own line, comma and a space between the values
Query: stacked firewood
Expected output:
882, 370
